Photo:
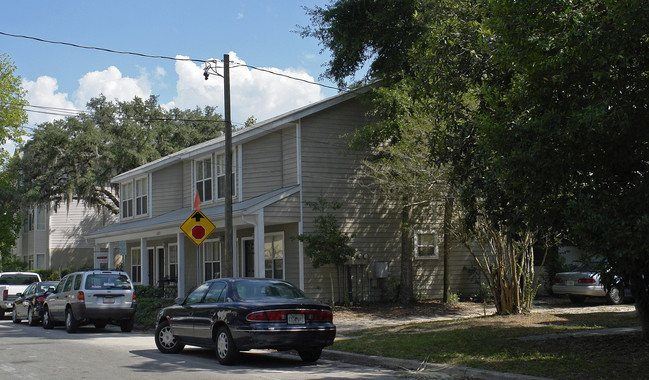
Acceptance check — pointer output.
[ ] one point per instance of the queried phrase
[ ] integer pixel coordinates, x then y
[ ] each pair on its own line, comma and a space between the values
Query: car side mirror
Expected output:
179, 300
19, 294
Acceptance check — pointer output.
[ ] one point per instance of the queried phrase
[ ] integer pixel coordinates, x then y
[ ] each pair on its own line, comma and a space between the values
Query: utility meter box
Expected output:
381, 269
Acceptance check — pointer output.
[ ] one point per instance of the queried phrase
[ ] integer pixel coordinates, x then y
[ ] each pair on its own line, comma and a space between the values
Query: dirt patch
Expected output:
545, 311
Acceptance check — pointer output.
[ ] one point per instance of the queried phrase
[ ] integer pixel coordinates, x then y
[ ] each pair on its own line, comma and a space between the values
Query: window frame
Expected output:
126, 199
219, 245
172, 276
435, 245
141, 200
273, 269
136, 267
204, 179
220, 174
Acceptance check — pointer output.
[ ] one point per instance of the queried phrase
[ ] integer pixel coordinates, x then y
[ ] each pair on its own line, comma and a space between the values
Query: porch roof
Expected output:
177, 217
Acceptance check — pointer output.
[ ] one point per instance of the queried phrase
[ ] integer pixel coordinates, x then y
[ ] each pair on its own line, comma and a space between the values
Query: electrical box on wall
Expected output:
381, 269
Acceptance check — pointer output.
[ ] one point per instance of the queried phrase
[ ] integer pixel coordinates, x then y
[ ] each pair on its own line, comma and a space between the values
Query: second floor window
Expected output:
127, 200
220, 175
141, 196
204, 179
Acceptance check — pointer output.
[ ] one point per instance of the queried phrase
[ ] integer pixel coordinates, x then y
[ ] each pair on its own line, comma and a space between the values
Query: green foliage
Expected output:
150, 300
75, 158
327, 244
12, 103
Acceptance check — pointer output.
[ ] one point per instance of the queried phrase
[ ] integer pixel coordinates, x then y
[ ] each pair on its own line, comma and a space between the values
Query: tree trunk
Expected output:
406, 287
641, 297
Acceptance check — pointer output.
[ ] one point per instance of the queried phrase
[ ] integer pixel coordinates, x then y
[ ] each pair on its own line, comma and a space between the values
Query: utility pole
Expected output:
229, 246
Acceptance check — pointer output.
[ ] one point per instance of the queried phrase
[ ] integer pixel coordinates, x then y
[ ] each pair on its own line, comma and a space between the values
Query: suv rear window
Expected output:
107, 281
18, 279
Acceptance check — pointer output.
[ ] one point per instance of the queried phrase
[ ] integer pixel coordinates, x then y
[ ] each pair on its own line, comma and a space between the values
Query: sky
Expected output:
258, 33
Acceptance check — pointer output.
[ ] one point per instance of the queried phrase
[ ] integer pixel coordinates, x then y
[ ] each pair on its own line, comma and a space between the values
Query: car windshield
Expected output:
107, 281
17, 279
247, 290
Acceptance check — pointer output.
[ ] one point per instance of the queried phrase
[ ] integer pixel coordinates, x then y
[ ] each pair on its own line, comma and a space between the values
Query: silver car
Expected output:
94, 297
585, 282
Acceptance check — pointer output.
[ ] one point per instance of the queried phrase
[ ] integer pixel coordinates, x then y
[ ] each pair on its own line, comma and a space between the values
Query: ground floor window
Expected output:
136, 265
274, 255
212, 259
426, 244
172, 266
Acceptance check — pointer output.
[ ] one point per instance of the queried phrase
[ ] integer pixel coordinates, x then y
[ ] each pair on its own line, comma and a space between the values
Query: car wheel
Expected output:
30, 317
71, 323
14, 316
226, 351
576, 299
615, 296
48, 322
2, 313
165, 339
126, 325
310, 355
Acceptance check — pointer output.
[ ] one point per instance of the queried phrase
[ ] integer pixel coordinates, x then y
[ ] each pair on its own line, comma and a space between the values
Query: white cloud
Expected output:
252, 92
43, 93
111, 84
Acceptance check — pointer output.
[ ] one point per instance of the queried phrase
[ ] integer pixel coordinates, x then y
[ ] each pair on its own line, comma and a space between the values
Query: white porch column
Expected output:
145, 262
260, 265
111, 255
181, 264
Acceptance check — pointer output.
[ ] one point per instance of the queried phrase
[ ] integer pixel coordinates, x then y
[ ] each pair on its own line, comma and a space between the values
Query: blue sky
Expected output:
258, 33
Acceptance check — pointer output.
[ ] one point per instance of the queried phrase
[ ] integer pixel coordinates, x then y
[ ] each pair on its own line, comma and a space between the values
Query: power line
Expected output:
201, 61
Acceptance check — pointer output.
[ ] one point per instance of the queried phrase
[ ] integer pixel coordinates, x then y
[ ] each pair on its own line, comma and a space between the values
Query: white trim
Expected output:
300, 224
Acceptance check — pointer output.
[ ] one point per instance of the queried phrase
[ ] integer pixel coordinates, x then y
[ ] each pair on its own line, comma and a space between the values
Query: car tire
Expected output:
165, 339
30, 317
71, 323
2, 313
14, 316
615, 296
576, 298
310, 355
48, 322
226, 351
126, 325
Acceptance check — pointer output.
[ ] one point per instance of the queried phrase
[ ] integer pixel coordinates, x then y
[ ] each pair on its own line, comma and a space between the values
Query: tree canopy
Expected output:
75, 158
12, 119
540, 110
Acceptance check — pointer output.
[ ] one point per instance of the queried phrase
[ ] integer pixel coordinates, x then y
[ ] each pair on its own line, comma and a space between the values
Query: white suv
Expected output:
97, 296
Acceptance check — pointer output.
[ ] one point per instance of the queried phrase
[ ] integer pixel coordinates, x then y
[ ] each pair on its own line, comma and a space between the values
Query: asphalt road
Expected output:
35, 353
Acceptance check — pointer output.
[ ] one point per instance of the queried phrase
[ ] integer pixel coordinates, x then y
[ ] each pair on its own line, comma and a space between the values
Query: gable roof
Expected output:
249, 133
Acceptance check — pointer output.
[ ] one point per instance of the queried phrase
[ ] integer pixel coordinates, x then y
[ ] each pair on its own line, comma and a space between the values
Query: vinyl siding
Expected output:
167, 189
262, 165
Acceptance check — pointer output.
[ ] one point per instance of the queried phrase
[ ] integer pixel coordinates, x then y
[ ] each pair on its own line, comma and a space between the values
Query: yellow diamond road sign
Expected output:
198, 227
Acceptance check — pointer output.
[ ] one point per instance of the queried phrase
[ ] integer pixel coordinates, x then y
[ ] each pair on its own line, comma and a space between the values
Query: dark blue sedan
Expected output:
239, 314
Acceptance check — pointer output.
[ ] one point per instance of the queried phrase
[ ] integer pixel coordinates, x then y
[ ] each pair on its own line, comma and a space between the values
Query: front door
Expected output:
249, 258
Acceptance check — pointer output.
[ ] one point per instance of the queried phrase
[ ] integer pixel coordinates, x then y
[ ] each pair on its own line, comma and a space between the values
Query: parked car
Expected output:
585, 282
29, 305
96, 297
240, 314
12, 283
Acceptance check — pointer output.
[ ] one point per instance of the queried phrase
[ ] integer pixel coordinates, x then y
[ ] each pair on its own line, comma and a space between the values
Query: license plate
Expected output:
570, 283
109, 300
296, 319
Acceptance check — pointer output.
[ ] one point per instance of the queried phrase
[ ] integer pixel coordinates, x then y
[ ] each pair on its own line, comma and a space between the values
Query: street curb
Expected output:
413, 365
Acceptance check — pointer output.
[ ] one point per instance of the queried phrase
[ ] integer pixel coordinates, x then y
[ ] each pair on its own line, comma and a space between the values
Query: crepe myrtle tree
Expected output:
327, 244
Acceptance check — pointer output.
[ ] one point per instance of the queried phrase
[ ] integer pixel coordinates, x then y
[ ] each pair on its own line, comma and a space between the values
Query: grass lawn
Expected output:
490, 343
